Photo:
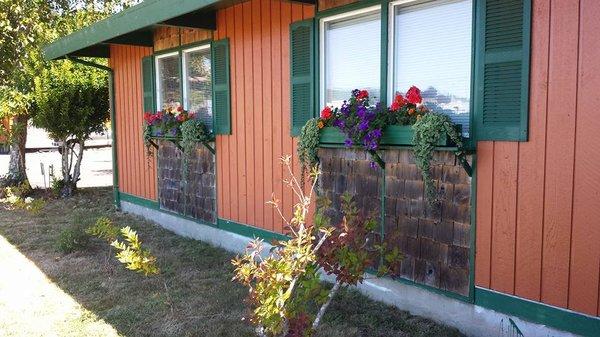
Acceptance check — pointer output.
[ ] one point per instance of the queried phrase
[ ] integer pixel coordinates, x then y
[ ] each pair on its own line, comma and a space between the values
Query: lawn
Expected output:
44, 292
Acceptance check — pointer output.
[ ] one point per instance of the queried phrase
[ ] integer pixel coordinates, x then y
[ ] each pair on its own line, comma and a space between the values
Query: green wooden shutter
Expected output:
148, 84
501, 95
302, 73
221, 87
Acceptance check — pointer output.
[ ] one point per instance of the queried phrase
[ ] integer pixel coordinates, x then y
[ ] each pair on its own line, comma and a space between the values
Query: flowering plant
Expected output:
408, 109
359, 120
166, 122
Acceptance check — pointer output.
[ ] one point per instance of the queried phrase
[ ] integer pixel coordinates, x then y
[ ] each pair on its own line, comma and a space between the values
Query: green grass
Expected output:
193, 296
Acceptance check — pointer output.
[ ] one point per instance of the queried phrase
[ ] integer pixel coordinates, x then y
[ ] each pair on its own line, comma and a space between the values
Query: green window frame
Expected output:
498, 104
220, 95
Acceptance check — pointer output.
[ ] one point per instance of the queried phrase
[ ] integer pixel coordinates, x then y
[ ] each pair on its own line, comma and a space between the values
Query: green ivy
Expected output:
428, 130
308, 145
193, 131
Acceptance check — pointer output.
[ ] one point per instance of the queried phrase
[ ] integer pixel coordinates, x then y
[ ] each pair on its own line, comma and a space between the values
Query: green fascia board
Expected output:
540, 313
146, 14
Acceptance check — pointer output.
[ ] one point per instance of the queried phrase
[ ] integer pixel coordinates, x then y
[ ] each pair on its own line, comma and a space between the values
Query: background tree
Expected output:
25, 27
21, 34
71, 103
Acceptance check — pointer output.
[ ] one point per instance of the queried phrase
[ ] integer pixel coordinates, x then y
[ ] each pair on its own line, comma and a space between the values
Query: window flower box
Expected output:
392, 135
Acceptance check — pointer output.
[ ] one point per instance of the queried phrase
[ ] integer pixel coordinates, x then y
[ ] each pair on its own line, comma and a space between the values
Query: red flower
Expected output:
398, 103
413, 95
363, 94
180, 108
326, 113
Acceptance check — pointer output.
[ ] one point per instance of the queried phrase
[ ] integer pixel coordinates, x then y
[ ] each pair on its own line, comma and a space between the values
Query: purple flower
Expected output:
376, 133
348, 142
362, 112
373, 165
339, 123
355, 92
363, 125
173, 132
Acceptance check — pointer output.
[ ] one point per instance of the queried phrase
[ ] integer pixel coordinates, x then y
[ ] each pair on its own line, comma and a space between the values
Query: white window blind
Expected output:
432, 50
351, 56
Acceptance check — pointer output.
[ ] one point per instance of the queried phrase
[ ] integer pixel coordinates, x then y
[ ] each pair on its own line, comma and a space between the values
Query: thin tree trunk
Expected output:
77, 169
325, 305
16, 170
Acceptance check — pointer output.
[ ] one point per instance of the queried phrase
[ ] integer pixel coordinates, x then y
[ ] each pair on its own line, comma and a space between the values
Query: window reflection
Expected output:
168, 81
198, 90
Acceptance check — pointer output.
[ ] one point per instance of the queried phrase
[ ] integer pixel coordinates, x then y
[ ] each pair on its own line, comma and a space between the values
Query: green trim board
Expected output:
248, 231
152, 204
536, 312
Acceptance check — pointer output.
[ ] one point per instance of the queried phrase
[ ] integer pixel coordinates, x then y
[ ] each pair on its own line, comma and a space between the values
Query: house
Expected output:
514, 247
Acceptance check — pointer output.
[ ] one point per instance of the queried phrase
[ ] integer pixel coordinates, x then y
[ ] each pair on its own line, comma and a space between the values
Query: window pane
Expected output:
169, 82
352, 56
432, 50
198, 89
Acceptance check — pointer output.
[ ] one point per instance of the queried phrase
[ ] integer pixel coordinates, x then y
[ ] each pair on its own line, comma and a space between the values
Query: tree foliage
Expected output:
71, 103
25, 27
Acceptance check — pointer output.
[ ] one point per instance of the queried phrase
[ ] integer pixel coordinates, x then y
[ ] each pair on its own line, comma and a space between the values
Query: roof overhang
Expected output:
136, 25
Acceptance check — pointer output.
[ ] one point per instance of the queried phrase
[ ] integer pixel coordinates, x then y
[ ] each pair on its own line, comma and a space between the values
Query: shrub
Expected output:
71, 239
104, 229
57, 185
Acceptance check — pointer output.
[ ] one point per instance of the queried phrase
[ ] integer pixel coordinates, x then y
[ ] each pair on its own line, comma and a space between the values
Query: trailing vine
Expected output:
308, 147
148, 143
427, 132
193, 131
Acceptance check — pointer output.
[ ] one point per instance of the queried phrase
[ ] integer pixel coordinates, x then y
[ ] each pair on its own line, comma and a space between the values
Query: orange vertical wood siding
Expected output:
538, 202
248, 167
137, 172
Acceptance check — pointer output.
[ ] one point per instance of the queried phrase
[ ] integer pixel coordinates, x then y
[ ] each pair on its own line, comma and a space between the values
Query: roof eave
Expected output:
143, 16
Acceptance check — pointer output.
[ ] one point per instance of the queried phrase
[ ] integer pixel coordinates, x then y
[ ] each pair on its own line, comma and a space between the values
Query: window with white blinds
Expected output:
168, 81
431, 49
197, 84
350, 55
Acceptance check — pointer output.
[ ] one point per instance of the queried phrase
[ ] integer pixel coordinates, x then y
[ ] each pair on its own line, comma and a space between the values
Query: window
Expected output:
197, 84
168, 81
350, 55
430, 47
